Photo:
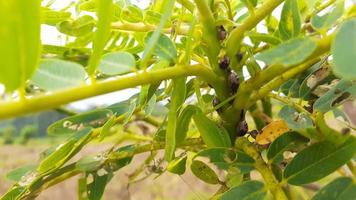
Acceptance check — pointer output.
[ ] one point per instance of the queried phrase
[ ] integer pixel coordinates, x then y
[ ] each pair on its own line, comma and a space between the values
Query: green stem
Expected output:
141, 27
352, 168
271, 181
70, 170
236, 36
287, 101
210, 34
55, 99
274, 76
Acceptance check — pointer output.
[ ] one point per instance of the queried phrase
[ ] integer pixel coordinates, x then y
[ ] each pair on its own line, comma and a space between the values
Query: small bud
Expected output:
222, 33
242, 128
234, 82
224, 63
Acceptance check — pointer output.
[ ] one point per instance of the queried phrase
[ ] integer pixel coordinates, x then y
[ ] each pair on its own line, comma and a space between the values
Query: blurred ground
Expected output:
167, 186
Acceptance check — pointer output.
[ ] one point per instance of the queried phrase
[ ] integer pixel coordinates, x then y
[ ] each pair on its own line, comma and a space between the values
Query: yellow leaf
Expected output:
270, 132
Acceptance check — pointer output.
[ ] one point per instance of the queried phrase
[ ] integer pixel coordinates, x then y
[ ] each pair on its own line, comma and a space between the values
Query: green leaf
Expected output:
72, 124
204, 172
336, 95
130, 111
324, 22
212, 135
88, 6
247, 190
177, 166
20, 41
290, 22
318, 161
339, 189
244, 162
17, 174
164, 48
79, 27
55, 74
250, 2
221, 157
97, 187
132, 14
90, 163
52, 17
82, 188
289, 53
152, 17
117, 63
318, 74
234, 177
151, 44
64, 151
119, 108
101, 36
294, 119
125, 155
149, 107
105, 130
177, 99
283, 143
343, 50
13, 193
263, 37
183, 122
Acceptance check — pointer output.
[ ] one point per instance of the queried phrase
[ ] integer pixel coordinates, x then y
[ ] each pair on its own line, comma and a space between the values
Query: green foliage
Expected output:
203, 70
289, 53
343, 50
247, 190
28, 132
53, 74
318, 161
20, 41
8, 135
117, 63
340, 188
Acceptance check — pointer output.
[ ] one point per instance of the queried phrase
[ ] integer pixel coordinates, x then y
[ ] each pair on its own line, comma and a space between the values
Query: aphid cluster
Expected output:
241, 126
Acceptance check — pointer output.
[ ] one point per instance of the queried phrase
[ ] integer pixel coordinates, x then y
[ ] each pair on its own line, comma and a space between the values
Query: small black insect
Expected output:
234, 82
224, 63
253, 133
222, 33
239, 57
242, 128
345, 131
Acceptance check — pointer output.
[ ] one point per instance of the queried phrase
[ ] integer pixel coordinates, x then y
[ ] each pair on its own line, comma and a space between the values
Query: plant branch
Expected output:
271, 182
210, 34
141, 27
236, 36
273, 76
70, 170
55, 99
287, 101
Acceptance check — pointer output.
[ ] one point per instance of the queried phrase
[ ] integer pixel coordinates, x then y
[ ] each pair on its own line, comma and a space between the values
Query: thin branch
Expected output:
271, 181
55, 99
210, 34
141, 27
236, 36
70, 170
